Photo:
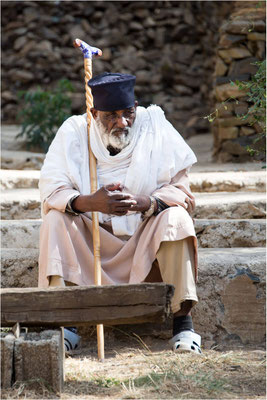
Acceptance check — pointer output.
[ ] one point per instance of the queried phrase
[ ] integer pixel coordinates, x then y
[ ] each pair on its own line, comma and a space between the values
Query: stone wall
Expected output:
241, 43
169, 45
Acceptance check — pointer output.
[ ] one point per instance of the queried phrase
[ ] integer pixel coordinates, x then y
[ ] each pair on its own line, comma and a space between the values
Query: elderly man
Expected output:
143, 200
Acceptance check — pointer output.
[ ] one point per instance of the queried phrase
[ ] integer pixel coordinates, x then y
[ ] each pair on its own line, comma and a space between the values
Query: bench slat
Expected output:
86, 305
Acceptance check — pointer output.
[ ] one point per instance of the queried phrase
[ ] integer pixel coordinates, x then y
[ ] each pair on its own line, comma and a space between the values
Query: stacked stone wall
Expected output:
242, 43
169, 45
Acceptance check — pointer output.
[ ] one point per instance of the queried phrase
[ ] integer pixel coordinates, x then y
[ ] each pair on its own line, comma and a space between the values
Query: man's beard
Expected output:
116, 139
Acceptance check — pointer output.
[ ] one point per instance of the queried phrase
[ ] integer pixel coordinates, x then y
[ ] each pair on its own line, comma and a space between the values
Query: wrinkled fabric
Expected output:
66, 247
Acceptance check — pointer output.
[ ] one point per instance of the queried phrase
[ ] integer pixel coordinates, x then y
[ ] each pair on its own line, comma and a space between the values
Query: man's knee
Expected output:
54, 217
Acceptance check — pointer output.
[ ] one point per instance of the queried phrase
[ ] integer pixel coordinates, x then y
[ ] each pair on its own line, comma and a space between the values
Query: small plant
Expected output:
43, 112
255, 89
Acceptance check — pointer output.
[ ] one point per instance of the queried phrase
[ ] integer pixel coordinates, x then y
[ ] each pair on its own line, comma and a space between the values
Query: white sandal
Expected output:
186, 341
71, 340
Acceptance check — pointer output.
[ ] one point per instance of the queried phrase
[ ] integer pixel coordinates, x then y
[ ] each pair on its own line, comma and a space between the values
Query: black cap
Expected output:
112, 91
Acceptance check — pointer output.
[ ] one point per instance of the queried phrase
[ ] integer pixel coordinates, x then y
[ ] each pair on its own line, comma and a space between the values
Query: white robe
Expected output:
155, 155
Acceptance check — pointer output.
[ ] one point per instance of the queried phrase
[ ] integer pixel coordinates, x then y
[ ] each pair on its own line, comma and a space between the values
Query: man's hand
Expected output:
109, 200
142, 203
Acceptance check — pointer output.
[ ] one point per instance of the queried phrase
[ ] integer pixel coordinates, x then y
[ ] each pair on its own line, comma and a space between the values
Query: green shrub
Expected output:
256, 92
42, 114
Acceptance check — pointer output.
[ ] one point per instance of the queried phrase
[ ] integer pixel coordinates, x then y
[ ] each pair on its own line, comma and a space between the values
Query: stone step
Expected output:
20, 204
22, 233
225, 233
25, 204
228, 181
227, 205
231, 291
19, 179
210, 233
199, 181
21, 160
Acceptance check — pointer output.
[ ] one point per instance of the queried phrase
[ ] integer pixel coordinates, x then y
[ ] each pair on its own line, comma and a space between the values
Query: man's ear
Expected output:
94, 112
135, 103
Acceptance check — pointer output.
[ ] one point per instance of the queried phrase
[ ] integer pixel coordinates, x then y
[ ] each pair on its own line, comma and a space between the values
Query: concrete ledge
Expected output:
225, 205
199, 181
25, 204
231, 233
210, 233
231, 290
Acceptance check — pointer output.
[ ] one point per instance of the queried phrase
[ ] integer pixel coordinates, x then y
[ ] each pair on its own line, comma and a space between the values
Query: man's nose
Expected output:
122, 122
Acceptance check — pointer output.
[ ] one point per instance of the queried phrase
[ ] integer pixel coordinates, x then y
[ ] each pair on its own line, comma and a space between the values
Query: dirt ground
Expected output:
146, 368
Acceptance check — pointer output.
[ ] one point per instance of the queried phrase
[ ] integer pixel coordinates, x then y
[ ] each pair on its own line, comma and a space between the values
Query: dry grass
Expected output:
138, 370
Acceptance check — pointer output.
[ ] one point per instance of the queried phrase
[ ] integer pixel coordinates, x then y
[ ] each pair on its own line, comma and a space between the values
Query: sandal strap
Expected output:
71, 340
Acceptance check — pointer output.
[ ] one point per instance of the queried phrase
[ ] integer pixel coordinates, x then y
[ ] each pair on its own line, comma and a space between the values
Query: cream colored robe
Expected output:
66, 247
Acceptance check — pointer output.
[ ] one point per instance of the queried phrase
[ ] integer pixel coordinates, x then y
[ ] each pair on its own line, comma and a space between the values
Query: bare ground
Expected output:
136, 368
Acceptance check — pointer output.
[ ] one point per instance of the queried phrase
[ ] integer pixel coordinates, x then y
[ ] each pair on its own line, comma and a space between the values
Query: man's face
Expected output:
115, 126
116, 121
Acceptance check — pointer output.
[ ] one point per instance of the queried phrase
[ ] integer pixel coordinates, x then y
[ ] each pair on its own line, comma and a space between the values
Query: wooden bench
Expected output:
70, 306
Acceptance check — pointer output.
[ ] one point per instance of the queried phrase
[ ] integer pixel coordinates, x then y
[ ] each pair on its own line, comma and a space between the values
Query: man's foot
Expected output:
186, 341
71, 339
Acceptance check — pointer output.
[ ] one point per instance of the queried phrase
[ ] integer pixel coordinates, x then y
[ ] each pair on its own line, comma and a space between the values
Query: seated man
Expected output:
143, 200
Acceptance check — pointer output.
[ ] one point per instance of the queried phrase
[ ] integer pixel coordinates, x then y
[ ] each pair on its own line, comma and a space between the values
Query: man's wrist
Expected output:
150, 211
69, 207
81, 204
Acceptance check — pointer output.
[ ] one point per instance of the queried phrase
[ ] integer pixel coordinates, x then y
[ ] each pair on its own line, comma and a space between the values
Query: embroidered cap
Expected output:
112, 91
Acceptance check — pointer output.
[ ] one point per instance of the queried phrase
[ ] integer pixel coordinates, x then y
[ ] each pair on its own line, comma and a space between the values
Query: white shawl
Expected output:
156, 153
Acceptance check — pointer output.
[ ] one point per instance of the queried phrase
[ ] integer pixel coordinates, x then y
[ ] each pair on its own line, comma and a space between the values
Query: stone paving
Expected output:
230, 226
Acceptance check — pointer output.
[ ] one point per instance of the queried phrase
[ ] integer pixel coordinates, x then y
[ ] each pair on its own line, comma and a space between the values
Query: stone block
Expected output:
234, 53
220, 68
231, 292
225, 110
227, 90
255, 36
227, 41
239, 26
233, 121
261, 50
240, 108
230, 132
246, 131
225, 55
239, 52
225, 233
244, 307
40, 356
240, 67
238, 146
231, 78
19, 267
7, 348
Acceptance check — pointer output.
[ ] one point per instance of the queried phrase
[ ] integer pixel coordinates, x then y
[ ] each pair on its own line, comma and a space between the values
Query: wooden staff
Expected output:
88, 53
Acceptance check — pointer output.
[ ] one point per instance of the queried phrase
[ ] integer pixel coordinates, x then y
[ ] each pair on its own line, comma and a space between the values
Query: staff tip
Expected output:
77, 43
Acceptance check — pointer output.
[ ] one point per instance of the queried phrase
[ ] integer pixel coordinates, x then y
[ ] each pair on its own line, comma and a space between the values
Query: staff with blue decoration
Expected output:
88, 53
